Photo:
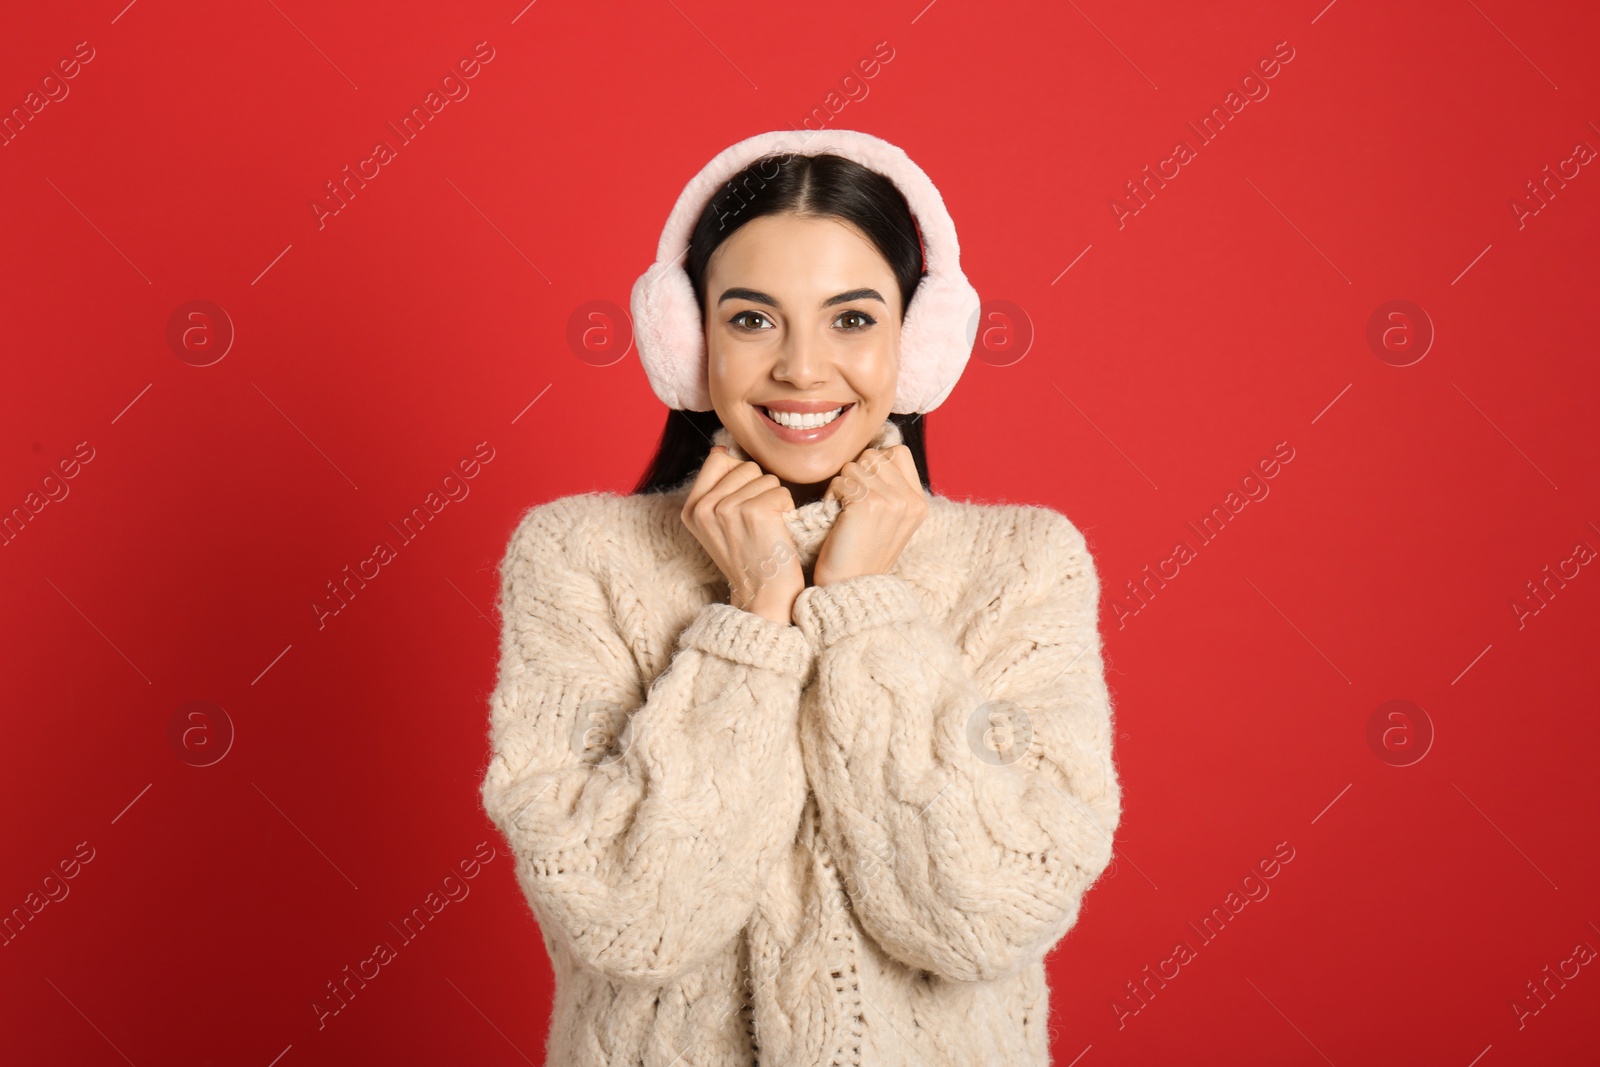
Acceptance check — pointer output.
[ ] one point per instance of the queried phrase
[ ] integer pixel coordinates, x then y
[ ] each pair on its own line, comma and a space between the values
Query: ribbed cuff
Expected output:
744, 637
827, 614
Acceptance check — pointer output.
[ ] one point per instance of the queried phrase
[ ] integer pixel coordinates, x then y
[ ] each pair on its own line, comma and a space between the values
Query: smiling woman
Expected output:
803, 268
803, 365
801, 762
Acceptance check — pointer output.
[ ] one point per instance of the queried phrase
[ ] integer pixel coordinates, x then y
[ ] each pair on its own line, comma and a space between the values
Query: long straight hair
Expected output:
818, 186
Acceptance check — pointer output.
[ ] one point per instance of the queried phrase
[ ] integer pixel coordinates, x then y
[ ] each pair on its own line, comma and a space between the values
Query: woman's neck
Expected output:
807, 494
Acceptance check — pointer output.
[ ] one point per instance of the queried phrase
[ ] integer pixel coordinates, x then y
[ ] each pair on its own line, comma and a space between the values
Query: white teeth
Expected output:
803, 422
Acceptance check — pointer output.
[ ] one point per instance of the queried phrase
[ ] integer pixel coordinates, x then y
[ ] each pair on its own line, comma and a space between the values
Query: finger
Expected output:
711, 471
720, 475
889, 467
888, 472
882, 472
872, 458
907, 465
838, 486
757, 488
782, 499
851, 484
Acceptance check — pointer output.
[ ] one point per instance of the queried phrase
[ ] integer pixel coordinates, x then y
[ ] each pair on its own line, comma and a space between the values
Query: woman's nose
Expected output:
801, 361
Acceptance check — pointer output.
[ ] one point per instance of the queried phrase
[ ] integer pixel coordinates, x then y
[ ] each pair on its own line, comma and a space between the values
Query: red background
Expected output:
376, 351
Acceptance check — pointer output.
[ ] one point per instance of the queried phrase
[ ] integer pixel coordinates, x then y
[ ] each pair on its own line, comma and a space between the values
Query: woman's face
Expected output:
803, 314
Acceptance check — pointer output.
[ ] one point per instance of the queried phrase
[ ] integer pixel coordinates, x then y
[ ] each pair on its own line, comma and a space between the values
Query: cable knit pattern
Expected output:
850, 840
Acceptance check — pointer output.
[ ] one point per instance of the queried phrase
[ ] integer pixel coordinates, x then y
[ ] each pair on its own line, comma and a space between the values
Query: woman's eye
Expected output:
736, 320
865, 319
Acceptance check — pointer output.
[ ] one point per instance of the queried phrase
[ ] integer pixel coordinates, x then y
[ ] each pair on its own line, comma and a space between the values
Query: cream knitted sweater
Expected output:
850, 840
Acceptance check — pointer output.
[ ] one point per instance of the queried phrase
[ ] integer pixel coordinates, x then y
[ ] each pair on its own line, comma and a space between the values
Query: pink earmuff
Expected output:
940, 324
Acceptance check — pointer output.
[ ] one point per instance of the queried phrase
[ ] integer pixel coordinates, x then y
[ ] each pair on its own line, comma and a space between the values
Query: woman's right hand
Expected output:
736, 512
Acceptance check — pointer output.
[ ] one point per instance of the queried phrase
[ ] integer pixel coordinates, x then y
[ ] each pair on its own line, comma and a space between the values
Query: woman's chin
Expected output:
805, 474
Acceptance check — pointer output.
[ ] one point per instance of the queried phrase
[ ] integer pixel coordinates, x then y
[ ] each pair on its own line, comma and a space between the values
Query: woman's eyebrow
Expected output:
756, 296
853, 295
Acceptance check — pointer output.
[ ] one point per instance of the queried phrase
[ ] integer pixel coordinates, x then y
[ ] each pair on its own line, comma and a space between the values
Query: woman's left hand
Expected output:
883, 504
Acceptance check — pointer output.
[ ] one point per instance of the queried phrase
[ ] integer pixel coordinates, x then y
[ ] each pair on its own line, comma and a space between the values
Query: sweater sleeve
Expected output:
968, 792
642, 822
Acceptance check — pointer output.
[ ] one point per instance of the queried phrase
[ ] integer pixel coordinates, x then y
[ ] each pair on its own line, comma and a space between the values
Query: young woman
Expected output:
800, 761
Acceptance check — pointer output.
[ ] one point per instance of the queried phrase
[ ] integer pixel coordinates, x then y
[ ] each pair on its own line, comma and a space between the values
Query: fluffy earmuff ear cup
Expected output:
670, 337
935, 341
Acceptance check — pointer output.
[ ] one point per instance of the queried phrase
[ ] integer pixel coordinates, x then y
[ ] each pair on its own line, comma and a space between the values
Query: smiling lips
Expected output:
806, 422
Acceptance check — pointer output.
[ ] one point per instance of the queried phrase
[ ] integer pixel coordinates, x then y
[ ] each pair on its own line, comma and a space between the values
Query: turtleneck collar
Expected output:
809, 523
